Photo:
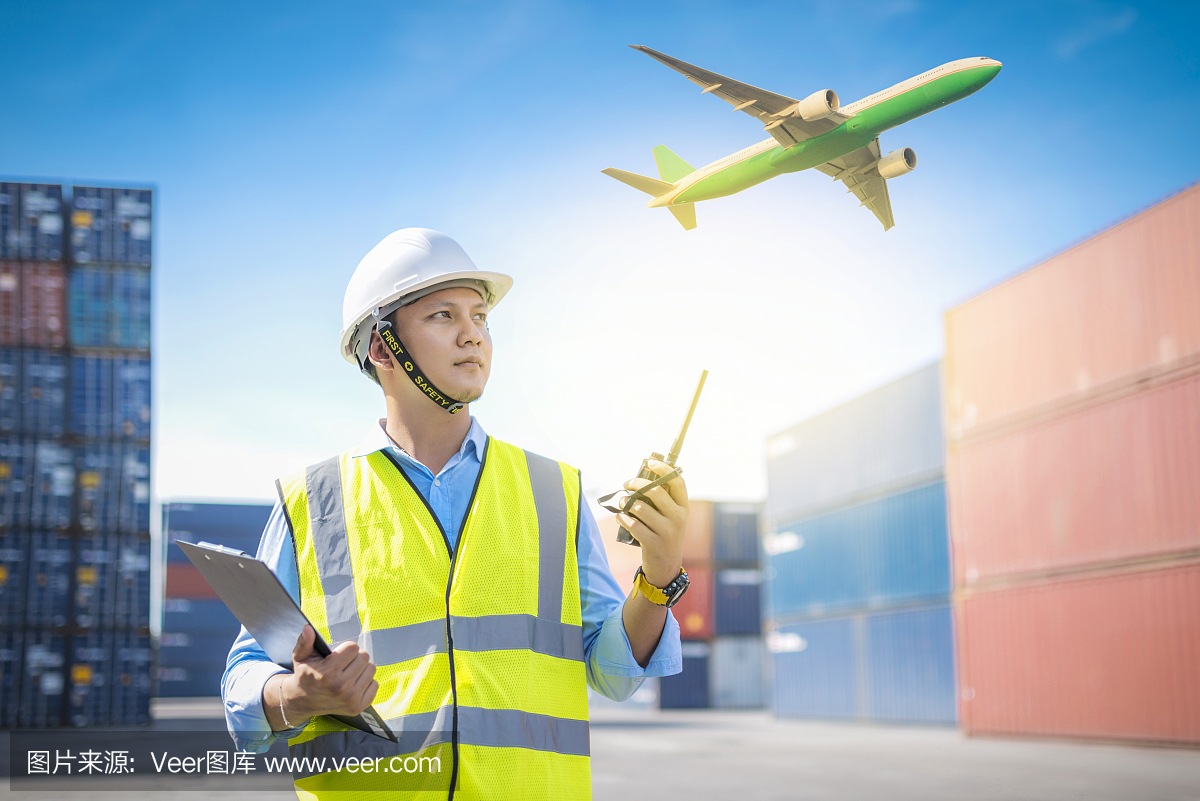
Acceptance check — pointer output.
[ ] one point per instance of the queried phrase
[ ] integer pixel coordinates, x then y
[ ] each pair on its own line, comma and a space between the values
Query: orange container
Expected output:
1113, 657
1107, 483
185, 581
43, 304
1116, 308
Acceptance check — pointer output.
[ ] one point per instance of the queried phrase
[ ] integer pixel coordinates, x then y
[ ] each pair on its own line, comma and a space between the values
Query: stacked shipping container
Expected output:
198, 628
719, 615
1073, 411
74, 461
858, 574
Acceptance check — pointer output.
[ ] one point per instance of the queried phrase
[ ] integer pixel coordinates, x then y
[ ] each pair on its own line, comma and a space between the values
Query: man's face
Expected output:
446, 333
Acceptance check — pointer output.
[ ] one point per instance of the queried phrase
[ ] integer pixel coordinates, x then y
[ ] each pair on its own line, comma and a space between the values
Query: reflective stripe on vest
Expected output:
479, 648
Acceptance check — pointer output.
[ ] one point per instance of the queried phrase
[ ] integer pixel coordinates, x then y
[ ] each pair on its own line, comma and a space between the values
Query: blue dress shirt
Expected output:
611, 668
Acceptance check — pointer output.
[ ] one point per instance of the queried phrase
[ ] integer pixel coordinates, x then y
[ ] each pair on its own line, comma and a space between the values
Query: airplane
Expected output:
840, 141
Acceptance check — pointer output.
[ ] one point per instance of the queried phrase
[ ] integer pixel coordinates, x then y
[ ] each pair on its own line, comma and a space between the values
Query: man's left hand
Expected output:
660, 532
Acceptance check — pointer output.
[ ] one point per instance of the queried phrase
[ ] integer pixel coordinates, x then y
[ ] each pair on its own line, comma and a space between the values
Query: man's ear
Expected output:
378, 353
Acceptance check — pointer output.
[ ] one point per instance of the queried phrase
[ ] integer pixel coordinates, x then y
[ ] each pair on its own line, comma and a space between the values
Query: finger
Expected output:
357, 666
304, 644
342, 655
640, 531
676, 486
368, 696
359, 688
659, 496
655, 521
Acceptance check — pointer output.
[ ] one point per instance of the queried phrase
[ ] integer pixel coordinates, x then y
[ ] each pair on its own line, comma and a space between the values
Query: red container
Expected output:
1113, 657
1123, 305
10, 304
694, 612
43, 304
185, 581
1107, 483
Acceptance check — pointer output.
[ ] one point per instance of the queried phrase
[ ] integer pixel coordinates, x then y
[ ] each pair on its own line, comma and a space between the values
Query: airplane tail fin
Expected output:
686, 214
648, 185
670, 167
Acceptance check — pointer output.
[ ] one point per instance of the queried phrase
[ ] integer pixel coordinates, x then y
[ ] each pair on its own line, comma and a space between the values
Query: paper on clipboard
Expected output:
255, 596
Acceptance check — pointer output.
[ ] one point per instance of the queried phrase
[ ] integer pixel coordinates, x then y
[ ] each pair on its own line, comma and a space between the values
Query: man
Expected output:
462, 579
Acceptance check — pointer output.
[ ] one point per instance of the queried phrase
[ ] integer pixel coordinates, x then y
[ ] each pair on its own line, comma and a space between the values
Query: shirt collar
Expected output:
378, 440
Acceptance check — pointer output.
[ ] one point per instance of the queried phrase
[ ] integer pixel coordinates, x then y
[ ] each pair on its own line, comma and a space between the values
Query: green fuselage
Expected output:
867, 123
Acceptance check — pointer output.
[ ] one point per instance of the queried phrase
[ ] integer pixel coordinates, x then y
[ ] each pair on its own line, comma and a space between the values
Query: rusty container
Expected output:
1104, 656
1116, 308
43, 304
10, 303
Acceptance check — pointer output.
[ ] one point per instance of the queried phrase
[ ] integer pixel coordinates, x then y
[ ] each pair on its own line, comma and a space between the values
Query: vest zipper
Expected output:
453, 552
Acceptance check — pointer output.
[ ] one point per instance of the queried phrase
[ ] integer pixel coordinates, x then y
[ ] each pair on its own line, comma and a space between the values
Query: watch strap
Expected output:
652, 593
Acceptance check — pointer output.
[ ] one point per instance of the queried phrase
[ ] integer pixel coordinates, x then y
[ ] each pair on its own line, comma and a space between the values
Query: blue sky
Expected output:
285, 140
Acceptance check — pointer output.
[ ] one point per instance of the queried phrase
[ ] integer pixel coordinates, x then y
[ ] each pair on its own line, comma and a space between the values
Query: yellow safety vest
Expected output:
478, 649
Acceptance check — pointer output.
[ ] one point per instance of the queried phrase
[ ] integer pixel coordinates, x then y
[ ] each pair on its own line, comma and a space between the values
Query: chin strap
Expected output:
410, 367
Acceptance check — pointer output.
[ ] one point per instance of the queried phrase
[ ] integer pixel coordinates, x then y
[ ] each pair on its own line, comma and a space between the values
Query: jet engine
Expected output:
897, 163
816, 106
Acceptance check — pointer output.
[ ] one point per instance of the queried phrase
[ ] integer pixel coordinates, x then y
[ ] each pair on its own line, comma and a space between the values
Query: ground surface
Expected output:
702, 755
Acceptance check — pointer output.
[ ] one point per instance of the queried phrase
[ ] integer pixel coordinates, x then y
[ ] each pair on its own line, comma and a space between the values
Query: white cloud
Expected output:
1095, 29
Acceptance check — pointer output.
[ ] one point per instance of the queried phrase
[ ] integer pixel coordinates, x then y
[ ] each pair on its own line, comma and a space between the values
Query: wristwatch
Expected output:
666, 596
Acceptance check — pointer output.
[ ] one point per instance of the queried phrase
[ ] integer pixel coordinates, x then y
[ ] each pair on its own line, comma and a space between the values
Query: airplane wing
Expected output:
858, 172
765, 106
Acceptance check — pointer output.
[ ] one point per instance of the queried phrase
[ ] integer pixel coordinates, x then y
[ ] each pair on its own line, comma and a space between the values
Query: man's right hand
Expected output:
342, 683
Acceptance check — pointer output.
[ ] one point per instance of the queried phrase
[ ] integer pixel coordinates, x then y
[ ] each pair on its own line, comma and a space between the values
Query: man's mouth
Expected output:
475, 360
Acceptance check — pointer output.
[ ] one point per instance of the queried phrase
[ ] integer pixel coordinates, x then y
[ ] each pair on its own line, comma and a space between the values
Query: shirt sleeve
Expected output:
248, 666
611, 669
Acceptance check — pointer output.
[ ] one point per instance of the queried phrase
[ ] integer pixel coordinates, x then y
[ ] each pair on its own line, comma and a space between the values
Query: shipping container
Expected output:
199, 617
16, 475
131, 397
185, 581
10, 392
43, 304
42, 681
96, 580
876, 444
98, 475
1107, 483
11, 659
132, 600
870, 554
735, 673
234, 525
111, 225
1111, 656
10, 303
694, 612
130, 309
39, 233
895, 665
1109, 311
735, 533
132, 661
91, 676
10, 221
134, 511
49, 579
92, 396
43, 393
737, 601
52, 484
181, 682
689, 689
14, 574
89, 300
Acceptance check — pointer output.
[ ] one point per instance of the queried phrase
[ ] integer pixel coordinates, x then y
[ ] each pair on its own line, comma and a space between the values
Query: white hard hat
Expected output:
404, 263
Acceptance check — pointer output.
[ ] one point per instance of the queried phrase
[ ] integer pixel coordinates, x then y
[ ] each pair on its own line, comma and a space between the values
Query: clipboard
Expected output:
255, 596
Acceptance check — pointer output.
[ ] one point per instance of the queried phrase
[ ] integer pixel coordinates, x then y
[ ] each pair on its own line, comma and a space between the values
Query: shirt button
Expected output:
437, 482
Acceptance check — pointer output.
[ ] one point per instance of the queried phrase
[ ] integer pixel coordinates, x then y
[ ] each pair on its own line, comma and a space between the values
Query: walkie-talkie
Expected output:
623, 534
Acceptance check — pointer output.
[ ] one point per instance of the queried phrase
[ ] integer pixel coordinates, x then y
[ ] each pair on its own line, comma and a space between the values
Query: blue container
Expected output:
92, 396
52, 487
895, 665
39, 225
735, 533
867, 555
10, 392
132, 598
42, 680
689, 689
98, 477
91, 676
736, 601
10, 221
196, 653
11, 652
181, 682
14, 574
199, 617
96, 561
111, 225
43, 393
134, 510
16, 476
89, 307
49, 579
131, 396
131, 309
132, 659
233, 525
